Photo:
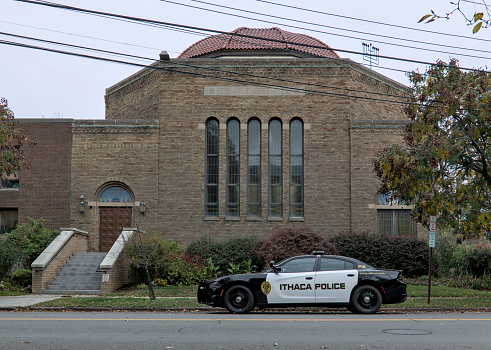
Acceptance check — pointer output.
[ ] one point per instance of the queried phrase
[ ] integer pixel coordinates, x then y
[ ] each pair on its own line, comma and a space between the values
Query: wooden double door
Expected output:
111, 223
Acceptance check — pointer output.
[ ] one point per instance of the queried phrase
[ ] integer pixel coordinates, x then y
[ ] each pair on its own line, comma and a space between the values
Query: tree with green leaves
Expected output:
444, 167
467, 9
12, 140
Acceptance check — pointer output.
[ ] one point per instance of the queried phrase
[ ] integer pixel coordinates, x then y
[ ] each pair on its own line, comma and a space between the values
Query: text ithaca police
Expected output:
308, 286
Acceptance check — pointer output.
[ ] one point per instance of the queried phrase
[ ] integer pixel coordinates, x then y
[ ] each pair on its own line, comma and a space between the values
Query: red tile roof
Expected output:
231, 41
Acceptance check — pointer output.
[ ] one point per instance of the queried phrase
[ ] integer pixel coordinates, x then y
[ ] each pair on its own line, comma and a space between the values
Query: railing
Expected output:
114, 268
52, 250
48, 263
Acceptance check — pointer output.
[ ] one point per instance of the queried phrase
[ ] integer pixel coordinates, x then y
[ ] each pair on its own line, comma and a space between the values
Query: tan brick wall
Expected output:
118, 276
169, 166
113, 152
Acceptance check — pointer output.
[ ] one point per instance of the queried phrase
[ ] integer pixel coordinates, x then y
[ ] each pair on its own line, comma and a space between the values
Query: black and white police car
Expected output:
307, 280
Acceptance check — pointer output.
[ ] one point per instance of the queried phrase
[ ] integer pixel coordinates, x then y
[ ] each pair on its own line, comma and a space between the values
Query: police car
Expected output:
307, 280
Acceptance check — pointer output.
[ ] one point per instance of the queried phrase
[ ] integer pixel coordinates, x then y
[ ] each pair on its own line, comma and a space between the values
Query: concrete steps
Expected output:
78, 275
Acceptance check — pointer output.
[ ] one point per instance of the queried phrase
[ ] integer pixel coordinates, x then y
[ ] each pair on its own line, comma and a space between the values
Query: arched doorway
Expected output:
115, 210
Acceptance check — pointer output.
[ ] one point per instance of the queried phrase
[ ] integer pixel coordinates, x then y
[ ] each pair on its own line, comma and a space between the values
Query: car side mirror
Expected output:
275, 268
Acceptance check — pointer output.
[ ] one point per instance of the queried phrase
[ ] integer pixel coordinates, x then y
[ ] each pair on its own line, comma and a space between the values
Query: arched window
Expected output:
233, 166
296, 168
254, 168
115, 194
275, 200
211, 176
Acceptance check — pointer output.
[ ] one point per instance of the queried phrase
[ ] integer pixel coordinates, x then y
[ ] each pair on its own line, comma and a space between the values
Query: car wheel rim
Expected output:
238, 300
367, 299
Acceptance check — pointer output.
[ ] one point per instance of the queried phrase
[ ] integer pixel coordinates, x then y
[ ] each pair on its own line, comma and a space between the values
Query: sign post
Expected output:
431, 243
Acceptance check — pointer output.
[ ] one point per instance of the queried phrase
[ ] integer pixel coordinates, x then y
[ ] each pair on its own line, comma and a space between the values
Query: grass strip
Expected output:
120, 302
452, 303
130, 302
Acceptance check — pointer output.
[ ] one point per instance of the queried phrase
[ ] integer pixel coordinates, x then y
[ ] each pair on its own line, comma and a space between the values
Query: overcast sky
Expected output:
40, 84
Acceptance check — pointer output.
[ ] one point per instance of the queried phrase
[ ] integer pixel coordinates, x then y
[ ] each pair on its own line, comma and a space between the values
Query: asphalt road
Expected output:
199, 330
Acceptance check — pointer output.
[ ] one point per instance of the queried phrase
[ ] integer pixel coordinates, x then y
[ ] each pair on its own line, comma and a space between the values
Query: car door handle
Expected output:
309, 278
351, 275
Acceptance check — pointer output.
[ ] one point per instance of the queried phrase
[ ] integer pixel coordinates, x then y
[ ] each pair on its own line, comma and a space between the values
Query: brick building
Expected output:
44, 189
237, 136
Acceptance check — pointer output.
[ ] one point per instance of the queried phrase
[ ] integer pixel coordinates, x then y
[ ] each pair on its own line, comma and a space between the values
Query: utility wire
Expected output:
169, 24
222, 78
182, 64
332, 27
374, 22
76, 46
78, 35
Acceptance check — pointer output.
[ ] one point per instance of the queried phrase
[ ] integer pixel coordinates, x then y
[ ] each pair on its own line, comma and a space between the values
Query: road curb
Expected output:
220, 310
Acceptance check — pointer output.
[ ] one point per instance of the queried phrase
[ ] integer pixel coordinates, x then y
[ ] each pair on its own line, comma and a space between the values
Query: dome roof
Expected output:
251, 39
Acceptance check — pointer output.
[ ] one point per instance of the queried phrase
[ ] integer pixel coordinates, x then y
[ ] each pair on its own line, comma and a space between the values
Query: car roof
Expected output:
341, 257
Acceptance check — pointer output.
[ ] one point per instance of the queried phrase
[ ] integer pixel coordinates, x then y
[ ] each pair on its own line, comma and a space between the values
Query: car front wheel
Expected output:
366, 300
239, 299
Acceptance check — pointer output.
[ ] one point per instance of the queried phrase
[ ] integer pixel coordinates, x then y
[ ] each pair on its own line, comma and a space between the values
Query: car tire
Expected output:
238, 299
365, 300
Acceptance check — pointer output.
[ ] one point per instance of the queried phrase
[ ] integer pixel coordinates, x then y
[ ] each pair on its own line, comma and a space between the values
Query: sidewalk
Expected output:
25, 300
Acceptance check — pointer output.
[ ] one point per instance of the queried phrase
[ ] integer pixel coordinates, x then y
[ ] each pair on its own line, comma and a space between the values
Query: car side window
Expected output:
299, 265
329, 264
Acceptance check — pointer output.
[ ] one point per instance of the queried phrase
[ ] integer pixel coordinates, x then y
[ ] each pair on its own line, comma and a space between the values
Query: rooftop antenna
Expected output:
370, 54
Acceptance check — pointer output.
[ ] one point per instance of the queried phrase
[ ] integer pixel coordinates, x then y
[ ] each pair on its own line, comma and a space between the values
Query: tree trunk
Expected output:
151, 294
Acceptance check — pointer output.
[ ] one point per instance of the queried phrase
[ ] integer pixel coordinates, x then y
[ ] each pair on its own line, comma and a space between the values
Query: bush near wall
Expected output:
29, 240
8, 256
22, 277
167, 262
226, 255
409, 254
292, 241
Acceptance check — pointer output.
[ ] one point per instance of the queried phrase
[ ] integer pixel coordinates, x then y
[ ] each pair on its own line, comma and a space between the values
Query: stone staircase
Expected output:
78, 275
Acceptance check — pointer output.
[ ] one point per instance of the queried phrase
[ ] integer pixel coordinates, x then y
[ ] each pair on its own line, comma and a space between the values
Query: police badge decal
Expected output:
266, 287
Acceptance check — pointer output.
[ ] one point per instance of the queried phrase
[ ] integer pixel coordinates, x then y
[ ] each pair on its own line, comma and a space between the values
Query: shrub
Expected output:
165, 259
22, 277
220, 256
400, 253
290, 241
8, 256
178, 268
30, 239
472, 258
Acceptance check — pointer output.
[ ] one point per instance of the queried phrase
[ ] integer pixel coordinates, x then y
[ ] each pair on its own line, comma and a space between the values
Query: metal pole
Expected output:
429, 276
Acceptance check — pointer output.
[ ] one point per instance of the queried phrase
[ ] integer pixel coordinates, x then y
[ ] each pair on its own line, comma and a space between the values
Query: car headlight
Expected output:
215, 285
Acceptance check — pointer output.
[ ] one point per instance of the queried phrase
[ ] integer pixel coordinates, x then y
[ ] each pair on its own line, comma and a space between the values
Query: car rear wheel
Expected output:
239, 299
366, 300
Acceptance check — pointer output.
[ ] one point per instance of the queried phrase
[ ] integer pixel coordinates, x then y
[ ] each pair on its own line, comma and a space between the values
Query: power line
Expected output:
75, 46
332, 27
187, 27
182, 64
78, 35
374, 22
155, 66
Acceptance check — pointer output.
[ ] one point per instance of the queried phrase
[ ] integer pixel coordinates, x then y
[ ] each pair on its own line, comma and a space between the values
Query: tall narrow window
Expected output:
8, 220
275, 171
296, 168
233, 166
254, 168
211, 176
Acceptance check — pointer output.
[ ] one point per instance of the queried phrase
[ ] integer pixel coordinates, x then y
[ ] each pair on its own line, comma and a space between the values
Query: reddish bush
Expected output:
290, 241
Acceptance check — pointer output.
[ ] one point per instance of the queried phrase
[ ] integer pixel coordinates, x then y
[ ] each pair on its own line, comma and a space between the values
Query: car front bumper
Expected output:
209, 293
